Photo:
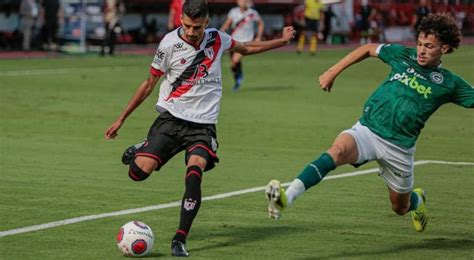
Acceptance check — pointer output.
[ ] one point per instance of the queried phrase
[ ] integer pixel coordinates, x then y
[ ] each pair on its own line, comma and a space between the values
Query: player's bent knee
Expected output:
206, 159
136, 173
337, 153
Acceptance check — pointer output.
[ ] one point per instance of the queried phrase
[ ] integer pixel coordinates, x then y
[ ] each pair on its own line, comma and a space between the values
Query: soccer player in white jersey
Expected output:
241, 20
392, 118
189, 59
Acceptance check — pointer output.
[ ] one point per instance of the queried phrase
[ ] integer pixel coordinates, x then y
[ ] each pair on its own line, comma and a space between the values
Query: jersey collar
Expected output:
196, 47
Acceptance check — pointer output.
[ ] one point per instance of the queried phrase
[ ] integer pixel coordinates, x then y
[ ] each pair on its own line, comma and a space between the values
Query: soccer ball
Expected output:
135, 239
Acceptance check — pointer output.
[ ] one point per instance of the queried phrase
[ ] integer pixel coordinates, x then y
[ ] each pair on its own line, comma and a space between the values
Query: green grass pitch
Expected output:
56, 165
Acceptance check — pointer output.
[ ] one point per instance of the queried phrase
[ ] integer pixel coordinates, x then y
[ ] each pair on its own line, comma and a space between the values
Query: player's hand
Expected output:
112, 131
288, 33
327, 80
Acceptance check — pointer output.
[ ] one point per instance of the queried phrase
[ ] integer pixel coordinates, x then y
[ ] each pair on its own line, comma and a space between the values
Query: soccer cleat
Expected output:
276, 198
178, 248
238, 81
419, 215
130, 152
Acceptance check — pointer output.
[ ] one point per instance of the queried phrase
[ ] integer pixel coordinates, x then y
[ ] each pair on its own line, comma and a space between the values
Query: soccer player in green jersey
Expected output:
392, 118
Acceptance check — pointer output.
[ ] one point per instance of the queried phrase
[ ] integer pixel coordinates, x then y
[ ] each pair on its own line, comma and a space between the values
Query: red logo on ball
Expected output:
120, 235
139, 246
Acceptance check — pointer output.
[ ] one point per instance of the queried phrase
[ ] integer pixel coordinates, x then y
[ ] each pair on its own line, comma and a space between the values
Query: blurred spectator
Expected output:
366, 22
151, 30
50, 15
10, 36
420, 12
379, 26
174, 17
113, 10
460, 16
328, 15
298, 19
242, 20
341, 24
385, 17
313, 15
29, 12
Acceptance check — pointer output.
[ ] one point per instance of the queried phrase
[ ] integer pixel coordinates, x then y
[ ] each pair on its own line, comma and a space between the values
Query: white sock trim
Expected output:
295, 189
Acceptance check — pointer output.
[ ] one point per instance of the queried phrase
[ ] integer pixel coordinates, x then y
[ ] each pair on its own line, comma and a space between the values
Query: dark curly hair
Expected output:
443, 27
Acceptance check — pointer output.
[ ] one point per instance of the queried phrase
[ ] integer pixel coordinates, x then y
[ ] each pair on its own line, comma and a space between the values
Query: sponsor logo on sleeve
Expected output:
159, 57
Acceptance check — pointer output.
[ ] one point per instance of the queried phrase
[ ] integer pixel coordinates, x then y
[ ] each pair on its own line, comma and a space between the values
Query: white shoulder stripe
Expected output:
379, 48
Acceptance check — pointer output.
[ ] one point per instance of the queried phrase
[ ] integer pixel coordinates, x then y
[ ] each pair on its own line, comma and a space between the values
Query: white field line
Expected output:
56, 71
178, 203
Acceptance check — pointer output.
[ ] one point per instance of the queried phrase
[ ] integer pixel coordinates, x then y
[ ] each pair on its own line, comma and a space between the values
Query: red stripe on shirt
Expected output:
242, 23
186, 86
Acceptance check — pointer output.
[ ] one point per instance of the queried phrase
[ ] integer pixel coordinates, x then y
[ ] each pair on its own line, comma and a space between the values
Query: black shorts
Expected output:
311, 25
170, 135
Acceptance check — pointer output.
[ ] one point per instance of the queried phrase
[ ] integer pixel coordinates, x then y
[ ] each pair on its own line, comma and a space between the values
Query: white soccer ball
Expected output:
135, 239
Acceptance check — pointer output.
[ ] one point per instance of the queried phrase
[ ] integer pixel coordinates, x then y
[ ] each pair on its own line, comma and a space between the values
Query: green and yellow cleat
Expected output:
276, 198
419, 215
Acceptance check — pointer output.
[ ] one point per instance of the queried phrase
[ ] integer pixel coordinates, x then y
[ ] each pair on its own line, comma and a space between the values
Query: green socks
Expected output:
415, 201
316, 170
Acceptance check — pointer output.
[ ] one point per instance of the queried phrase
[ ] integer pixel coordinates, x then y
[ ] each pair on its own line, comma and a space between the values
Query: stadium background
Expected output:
145, 21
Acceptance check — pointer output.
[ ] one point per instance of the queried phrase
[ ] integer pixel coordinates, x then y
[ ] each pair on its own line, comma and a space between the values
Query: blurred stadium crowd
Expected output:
51, 24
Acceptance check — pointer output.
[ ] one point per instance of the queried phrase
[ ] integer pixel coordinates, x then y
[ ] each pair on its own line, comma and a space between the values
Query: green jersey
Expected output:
399, 108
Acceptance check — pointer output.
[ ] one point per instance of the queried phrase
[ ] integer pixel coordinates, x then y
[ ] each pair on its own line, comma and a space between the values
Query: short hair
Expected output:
443, 27
196, 9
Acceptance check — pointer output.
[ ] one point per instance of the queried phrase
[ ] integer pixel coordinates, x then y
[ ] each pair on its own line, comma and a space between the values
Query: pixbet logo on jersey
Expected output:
412, 83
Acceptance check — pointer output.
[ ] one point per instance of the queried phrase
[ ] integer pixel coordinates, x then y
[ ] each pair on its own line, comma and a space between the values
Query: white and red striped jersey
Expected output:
192, 87
243, 27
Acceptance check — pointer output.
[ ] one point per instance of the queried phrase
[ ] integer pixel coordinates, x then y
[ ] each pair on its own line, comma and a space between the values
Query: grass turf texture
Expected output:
56, 165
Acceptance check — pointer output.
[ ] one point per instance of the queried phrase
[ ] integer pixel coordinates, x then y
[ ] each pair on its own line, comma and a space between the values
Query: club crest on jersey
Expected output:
436, 77
189, 204
209, 52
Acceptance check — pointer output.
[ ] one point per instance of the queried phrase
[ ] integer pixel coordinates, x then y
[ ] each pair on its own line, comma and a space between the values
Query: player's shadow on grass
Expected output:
430, 243
236, 235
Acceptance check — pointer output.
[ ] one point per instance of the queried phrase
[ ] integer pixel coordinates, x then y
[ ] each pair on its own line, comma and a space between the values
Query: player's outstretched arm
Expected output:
248, 48
143, 91
226, 25
326, 80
